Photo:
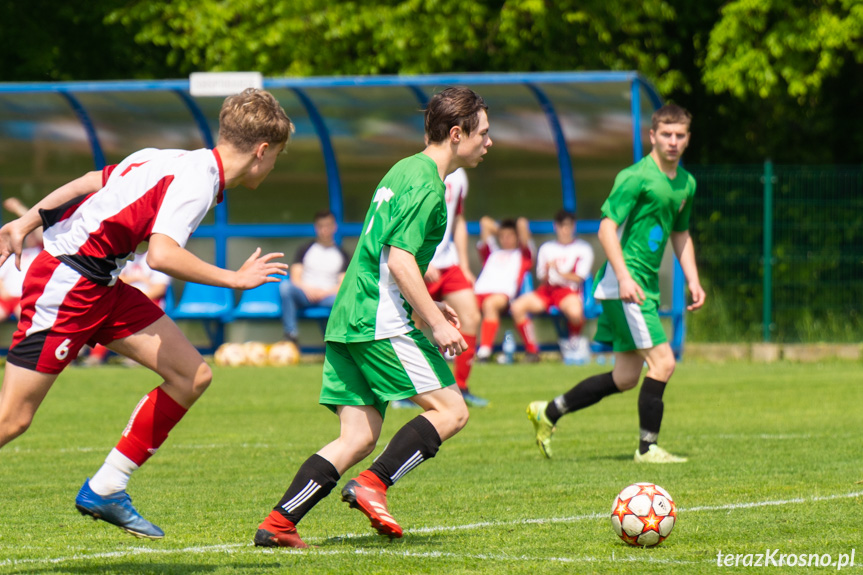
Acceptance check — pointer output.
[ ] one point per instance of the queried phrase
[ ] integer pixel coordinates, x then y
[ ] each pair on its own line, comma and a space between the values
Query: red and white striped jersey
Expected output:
152, 191
446, 254
575, 257
503, 270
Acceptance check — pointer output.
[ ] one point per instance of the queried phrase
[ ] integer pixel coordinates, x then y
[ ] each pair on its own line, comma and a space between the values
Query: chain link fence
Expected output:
780, 252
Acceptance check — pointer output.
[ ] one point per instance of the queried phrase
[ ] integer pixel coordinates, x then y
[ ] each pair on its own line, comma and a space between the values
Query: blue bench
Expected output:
214, 307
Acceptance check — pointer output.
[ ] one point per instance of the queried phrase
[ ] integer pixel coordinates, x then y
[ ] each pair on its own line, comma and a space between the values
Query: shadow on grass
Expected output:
374, 542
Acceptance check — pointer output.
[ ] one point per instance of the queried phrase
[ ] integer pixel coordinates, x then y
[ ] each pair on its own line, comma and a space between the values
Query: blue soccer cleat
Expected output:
117, 510
474, 400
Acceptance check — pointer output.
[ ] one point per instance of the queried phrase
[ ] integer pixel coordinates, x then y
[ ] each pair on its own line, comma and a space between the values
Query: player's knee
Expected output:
360, 445
202, 380
472, 319
14, 427
663, 368
458, 417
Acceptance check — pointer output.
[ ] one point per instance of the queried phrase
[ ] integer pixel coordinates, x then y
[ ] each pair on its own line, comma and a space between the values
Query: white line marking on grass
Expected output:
126, 553
588, 516
232, 548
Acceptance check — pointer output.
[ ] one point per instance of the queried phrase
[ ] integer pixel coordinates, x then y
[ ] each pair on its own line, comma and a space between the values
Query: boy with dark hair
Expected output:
506, 249
374, 353
561, 268
316, 274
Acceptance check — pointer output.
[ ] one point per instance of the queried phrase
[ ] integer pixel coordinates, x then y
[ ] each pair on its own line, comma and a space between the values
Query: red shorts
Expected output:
451, 280
553, 295
481, 297
61, 311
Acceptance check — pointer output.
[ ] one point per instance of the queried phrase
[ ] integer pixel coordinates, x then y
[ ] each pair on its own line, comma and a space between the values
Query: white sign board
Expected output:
223, 83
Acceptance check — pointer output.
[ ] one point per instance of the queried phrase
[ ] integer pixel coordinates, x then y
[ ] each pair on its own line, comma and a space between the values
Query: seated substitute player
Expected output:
12, 278
561, 267
449, 279
316, 274
92, 226
654, 199
374, 353
507, 253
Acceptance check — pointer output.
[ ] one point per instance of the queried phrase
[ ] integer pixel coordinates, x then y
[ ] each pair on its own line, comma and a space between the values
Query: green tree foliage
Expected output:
769, 48
764, 78
309, 37
43, 40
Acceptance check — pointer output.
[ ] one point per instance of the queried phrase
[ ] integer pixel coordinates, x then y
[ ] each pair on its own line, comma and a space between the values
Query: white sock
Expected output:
114, 474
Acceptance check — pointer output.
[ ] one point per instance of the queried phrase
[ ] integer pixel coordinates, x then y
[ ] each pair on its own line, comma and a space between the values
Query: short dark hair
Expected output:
321, 214
670, 114
508, 223
458, 106
562, 215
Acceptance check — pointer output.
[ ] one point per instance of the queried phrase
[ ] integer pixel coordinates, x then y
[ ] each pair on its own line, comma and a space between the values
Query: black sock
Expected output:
314, 480
585, 394
417, 441
650, 408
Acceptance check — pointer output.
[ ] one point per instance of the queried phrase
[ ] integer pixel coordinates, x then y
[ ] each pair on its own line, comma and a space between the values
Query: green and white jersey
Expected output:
653, 206
408, 211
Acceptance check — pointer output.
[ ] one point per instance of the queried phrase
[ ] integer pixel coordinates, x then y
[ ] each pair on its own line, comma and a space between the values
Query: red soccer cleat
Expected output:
276, 531
366, 493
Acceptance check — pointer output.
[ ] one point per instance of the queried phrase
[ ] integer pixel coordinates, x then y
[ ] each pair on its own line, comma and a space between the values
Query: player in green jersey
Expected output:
654, 199
374, 353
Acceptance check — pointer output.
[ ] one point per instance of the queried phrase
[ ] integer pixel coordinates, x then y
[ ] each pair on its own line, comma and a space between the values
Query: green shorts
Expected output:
377, 372
628, 326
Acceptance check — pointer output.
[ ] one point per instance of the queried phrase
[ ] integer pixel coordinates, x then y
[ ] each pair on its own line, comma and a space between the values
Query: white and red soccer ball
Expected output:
643, 514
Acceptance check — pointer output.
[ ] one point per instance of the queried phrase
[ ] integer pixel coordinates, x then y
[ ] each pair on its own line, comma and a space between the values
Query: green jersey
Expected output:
408, 211
653, 206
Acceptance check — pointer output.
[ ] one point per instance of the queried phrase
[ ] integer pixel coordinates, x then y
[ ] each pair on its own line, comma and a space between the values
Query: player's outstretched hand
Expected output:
11, 243
698, 296
257, 270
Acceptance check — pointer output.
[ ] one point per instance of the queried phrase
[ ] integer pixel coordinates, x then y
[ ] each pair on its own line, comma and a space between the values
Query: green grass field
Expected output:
774, 460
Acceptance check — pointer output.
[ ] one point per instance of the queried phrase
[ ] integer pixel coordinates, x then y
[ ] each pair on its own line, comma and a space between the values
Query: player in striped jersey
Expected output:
92, 227
374, 352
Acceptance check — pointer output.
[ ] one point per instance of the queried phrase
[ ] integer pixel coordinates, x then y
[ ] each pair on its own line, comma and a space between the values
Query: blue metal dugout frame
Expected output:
221, 230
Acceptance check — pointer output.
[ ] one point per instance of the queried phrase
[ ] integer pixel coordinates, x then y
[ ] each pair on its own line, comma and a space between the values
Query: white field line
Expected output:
727, 436
231, 548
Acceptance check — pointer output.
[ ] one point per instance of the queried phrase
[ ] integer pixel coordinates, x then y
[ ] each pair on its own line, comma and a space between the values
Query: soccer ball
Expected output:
284, 353
230, 354
256, 353
643, 514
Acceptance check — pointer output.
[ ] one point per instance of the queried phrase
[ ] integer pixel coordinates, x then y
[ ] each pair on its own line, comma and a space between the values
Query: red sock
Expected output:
464, 362
575, 329
488, 332
525, 328
99, 351
148, 428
